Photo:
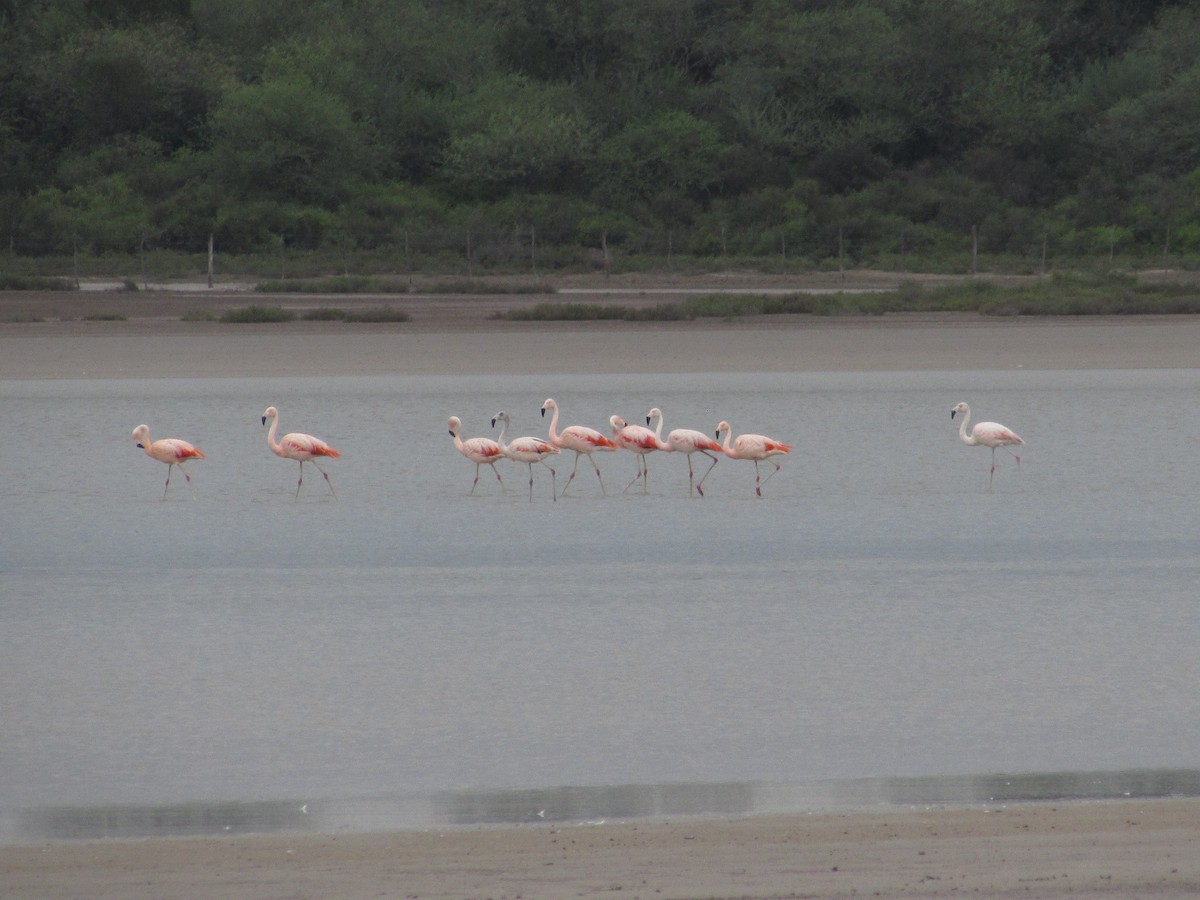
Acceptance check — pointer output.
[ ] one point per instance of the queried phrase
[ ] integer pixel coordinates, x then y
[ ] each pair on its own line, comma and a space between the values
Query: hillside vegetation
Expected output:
383, 135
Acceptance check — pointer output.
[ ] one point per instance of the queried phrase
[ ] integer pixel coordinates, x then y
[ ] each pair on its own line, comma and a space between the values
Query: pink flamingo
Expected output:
687, 441
639, 440
986, 434
579, 438
171, 451
300, 447
755, 447
527, 450
479, 450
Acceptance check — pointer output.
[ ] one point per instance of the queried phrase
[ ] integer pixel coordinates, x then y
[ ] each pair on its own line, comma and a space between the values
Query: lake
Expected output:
879, 627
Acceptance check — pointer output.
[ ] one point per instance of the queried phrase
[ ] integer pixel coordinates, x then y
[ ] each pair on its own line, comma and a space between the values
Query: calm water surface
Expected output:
879, 626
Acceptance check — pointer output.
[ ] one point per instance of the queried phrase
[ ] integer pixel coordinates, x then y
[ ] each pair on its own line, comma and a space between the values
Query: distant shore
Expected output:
462, 333
1038, 850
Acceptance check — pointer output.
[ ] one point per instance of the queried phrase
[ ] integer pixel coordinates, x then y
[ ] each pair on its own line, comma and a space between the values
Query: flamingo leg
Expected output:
597, 468
757, 482
553, 484
768, 478
476, 481
327, 481
571, 478
700, 486
168, 484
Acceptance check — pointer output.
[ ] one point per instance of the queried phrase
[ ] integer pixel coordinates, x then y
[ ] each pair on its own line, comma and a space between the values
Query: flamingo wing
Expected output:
175, 450
306, 444
685, 440
577, 437
993, 434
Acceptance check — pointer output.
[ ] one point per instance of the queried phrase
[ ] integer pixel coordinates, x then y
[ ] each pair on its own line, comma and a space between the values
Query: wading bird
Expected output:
755, 447
638, 440
581, 439
687, 441
527, 450
171, 451
479, 450
300, 447
986, 434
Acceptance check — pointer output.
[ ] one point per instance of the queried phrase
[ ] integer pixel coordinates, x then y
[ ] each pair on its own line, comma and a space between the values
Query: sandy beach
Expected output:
1039, 850
1044, 850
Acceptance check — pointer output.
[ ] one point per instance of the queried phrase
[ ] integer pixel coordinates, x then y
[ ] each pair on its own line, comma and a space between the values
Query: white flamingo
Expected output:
528, 450
300, 447
640, 441
986, 434
755, 447
479, 450
171, 451
581, 439
687, 441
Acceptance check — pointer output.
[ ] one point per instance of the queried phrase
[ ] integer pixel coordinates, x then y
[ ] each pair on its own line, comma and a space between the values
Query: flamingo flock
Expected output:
637, 439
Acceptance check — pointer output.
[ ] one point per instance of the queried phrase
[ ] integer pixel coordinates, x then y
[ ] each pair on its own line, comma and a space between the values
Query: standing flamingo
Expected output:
300, 447
986, 434
171, 451
687, 441
638, 440
527, 450
579, 438
755, 447
479, 450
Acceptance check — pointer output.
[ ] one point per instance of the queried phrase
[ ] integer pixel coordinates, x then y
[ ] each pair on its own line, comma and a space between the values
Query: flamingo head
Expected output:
455, 424
655, 413
961, 408
270, 413
500, 417
721, 429
617, 423
549, 404
141, 436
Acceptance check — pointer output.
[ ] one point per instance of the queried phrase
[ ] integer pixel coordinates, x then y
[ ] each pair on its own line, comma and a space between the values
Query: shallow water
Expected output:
409, 652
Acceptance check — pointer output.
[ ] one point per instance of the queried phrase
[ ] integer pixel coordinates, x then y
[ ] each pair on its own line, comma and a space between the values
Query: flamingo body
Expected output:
298, 446
757, 447
479, 450
638, 440
528, 450
986, 434
172, 451
581, 439
687, 441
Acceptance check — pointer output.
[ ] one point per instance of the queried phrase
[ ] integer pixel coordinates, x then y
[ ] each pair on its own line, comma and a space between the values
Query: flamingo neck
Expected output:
962, 430
554, 425
658, 428
503, 432
725, 444
276, 447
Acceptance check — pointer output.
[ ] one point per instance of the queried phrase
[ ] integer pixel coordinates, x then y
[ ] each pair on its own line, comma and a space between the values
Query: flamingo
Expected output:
755, 447
986, 434
527, 450
637, 439
171, 451
579, 438
479, 450
300, 447
687, 441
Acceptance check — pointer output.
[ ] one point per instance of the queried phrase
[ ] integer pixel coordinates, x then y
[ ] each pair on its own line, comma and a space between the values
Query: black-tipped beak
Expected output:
647, 420
952, 413
142, 446
493, 423
543, 412
264, 420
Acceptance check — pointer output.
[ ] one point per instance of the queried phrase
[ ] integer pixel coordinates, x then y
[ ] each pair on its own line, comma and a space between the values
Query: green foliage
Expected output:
36, 283
818, 134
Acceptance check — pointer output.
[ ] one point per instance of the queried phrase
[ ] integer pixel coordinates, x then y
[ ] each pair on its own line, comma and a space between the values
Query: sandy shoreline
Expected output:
1042, 850
448, 336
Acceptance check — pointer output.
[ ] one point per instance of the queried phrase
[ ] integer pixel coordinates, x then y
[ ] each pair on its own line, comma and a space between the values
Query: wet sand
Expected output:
1039, 850
1103, 849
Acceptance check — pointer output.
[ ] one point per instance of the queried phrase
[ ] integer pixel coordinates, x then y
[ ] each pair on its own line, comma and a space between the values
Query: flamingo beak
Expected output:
543, 412
264, 420
142, 446
952, 414
493, 423
647, 420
